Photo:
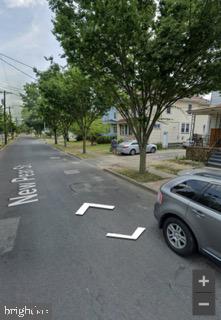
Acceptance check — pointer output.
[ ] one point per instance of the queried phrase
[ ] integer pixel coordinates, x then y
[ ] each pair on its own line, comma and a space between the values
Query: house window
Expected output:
115, 115
190, 107
121, 129
156, 126
168, 110
126, 129
115, 128
185, 128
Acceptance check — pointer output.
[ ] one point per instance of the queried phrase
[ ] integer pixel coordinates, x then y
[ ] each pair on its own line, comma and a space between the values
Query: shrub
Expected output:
79, 137
104, 139
159, 146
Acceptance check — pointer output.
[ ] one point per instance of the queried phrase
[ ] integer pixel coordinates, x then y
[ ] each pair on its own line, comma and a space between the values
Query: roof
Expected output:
197, 99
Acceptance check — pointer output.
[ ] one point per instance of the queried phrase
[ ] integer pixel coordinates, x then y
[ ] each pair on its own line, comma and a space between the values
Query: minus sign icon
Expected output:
203, 304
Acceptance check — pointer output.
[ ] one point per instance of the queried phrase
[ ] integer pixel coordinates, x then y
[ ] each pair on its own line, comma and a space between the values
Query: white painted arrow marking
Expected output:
137, 233
71, 171
86, 205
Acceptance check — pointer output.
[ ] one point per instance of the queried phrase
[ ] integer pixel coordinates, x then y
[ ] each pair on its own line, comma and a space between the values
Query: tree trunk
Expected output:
65, 140
142, 168
65, 136
55, 137
84, 143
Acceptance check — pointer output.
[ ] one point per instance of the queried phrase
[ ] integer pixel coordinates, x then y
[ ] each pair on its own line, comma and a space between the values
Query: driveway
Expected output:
127, 161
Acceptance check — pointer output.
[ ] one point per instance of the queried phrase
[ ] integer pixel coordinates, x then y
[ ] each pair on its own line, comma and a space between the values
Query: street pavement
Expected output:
49, 255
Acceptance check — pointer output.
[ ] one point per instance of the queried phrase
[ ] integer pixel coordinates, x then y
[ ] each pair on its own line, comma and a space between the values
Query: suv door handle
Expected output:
198, 213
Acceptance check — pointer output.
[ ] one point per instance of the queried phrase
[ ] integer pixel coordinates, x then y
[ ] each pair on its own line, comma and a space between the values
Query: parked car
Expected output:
131, 147
188, 209
188, 143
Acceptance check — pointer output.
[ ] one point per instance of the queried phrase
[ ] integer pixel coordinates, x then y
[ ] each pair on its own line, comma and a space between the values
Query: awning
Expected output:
122, 121
208, 111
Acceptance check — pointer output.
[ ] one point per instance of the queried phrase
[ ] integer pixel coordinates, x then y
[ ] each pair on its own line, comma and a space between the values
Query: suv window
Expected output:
189, 189
212, 198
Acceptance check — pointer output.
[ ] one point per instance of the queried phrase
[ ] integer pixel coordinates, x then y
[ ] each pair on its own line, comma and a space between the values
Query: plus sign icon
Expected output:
203, 292
204, 281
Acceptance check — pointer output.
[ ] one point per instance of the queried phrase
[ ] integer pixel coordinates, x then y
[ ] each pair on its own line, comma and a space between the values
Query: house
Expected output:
174, 127
110, 118
208, 149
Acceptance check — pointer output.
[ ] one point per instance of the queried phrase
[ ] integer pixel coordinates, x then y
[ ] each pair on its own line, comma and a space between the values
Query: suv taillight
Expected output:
160, 197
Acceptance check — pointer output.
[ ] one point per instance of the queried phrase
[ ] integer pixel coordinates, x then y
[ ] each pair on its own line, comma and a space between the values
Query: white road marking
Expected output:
137, 233
8, 232
98, 179
71, 171
55, 158
27, 191
203, 304
86, 205
75, 162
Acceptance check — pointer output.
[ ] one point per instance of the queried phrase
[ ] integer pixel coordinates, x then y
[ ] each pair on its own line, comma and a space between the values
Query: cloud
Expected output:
23, 3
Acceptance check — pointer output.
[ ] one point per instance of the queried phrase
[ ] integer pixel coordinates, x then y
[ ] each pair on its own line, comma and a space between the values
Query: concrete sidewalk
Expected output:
112, 163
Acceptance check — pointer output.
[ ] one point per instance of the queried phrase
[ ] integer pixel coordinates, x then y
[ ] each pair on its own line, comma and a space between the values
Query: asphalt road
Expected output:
56, 257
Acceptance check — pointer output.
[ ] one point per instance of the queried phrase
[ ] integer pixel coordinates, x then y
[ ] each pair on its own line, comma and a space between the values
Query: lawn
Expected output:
75, 148
173, 166
186, 162
139, 177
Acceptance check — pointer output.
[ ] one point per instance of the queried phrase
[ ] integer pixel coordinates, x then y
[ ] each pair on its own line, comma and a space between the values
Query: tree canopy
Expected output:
148, 54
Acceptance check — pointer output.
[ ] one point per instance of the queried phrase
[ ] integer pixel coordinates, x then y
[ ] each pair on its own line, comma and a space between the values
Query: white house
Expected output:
174, 127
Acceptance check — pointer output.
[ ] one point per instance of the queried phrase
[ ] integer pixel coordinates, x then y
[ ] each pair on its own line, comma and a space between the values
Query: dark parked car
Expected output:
188, 209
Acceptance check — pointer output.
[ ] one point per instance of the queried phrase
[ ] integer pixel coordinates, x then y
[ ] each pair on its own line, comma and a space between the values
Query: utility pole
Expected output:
5, 120
5, 115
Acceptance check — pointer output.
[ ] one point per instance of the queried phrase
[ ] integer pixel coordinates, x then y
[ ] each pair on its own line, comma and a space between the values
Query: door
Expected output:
204, 216
215, 136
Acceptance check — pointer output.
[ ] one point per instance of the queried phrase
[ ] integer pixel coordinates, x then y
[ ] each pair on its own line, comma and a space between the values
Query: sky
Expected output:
25, 33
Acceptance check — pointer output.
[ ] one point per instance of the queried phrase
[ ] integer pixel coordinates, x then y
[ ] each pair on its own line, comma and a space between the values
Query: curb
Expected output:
138, 184
66, 153
8, 144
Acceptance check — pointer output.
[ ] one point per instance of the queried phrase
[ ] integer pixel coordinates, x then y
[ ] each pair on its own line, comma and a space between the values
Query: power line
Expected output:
6, 84
5, 89
24, 64
11, 65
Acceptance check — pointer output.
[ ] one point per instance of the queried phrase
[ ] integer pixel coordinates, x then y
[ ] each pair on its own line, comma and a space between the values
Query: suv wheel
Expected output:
179, 237
133, 152
153, 150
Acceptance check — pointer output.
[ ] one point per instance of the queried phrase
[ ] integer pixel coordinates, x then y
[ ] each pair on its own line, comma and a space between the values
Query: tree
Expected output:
87, 100
149, 55
31, 115
97, 128
54, 105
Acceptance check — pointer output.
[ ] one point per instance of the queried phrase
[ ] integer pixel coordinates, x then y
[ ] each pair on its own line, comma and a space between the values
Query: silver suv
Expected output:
188, 209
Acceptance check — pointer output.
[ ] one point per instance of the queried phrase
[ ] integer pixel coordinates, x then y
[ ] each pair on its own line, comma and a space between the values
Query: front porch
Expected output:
206, 147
